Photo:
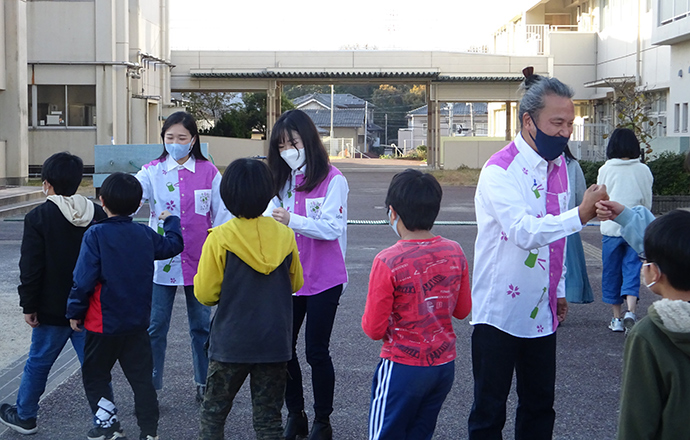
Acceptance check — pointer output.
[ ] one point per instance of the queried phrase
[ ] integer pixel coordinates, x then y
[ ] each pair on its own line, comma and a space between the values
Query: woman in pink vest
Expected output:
312, 200
183, 182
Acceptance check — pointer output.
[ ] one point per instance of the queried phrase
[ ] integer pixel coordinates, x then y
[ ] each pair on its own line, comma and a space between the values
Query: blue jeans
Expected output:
406, 400
199, 317
621, 270
47, 341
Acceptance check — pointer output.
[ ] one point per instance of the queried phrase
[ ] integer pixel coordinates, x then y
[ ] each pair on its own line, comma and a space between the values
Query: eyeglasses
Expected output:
642, 257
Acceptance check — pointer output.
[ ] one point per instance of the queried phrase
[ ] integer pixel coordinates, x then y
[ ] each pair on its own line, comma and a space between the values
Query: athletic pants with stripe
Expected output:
406, 400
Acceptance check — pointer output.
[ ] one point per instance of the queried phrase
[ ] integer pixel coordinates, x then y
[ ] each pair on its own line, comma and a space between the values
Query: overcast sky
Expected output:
323, 25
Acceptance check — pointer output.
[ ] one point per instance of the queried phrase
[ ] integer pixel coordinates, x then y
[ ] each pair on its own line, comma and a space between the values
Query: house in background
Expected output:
348, 118
457, 119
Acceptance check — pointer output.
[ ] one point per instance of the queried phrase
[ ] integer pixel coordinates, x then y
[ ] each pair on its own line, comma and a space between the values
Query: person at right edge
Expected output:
518, 292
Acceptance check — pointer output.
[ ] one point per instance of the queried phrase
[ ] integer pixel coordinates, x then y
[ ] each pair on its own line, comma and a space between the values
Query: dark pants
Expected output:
134, 354
406, 400
495, 354
267, 382
320, 311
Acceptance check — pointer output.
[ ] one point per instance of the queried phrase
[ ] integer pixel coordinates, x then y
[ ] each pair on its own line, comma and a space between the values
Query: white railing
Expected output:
532, 39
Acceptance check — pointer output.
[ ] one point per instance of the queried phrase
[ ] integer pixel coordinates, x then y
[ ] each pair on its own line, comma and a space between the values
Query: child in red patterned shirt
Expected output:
415, 287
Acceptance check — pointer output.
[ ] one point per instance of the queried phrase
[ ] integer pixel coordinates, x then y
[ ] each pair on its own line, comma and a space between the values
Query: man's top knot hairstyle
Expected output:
535, 88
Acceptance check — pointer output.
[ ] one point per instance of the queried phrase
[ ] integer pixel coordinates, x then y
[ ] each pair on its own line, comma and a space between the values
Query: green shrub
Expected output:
591, 170
421, 152
670, 177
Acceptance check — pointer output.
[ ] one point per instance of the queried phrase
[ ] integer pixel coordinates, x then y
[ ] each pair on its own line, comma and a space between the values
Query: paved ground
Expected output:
589, 355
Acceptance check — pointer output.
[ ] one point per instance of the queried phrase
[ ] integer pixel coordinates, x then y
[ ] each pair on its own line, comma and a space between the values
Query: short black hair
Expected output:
666, 244
247, 187
121, 193
64, 172
416, 197
623, 143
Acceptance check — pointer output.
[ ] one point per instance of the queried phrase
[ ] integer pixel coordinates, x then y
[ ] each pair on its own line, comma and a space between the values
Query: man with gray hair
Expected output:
518, 293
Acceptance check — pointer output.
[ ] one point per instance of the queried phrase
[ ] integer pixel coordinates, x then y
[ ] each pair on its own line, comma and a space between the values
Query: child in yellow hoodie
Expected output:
249, 267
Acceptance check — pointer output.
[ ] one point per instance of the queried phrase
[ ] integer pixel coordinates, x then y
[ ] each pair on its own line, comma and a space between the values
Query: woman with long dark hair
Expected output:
312, 200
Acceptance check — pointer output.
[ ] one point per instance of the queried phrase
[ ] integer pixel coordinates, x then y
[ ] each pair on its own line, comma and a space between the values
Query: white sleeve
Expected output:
219, 213
144, 178
333, 220
501, 197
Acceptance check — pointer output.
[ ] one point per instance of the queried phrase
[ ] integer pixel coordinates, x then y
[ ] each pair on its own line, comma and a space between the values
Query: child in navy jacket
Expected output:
111, 296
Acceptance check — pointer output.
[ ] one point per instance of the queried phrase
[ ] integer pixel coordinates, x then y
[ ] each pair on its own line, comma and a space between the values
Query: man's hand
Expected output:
587, 208
608, 210
31, 319
165, 214
561, 309
281, 215
75, 323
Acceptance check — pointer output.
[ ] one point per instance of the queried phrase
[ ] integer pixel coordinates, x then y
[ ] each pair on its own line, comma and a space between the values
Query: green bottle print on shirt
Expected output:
533, 315
168, 266
170, 186
531, 259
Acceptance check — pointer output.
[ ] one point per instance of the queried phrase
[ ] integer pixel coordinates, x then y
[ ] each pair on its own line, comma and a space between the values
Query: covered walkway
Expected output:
447, 76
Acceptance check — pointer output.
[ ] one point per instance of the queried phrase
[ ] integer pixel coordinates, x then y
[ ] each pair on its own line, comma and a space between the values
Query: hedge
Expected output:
670, 177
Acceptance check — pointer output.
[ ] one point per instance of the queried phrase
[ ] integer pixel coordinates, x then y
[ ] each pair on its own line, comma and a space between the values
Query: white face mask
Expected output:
178, 151
394, 225
645, 278
44, 189
294, 157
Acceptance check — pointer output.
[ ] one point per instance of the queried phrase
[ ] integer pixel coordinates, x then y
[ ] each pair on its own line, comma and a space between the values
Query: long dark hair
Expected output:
187, 122
315, 154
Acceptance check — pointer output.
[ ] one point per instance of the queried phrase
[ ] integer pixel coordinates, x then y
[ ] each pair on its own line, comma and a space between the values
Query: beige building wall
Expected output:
224, 150
13, 96
120, 48
469, 152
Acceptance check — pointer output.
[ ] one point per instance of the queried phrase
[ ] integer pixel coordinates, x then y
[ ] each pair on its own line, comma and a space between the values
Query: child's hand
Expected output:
31, 319
165, 214
608, 210
75, 323
281, 215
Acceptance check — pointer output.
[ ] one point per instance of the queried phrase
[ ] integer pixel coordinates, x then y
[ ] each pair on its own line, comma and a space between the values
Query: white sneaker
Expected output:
629, 321
616, 325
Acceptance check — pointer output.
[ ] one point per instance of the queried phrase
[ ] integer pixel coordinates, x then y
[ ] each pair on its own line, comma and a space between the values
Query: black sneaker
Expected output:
113, 432
9, 417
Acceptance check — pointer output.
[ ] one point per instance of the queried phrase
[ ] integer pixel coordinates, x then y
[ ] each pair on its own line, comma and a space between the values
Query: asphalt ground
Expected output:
588, 365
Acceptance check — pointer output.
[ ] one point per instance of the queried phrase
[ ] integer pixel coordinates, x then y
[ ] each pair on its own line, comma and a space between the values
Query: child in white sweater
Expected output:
629, 182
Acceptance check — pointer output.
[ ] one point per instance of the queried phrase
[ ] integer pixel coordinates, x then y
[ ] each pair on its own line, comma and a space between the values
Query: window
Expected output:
604, 18
62, 106
676, 118
684, 121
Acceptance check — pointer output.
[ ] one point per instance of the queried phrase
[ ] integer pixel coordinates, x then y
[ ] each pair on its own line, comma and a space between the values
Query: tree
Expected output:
249, 116
632, 105
210, 106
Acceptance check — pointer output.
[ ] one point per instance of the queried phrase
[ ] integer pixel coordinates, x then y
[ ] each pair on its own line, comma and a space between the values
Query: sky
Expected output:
325, 25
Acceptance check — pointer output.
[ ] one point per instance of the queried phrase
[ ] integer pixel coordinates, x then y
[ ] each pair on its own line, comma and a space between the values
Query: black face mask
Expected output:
548, 147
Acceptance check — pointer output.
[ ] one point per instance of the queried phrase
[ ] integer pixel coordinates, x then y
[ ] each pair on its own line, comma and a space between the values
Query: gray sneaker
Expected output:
616, 325
629, 321
9, 417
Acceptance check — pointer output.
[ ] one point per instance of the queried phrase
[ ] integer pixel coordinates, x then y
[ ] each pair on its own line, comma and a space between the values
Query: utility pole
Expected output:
366, 111
386, 132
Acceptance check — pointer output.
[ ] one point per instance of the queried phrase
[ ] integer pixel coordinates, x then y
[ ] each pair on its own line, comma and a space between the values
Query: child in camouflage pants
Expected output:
249, 267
